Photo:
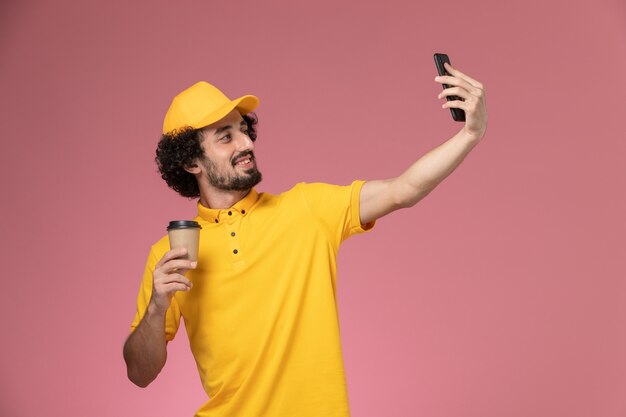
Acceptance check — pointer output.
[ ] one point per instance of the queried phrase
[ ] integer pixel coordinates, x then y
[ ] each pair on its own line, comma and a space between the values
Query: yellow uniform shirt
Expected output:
262, 314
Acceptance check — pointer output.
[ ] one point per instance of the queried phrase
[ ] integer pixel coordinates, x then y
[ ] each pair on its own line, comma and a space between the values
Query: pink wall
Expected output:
501, 294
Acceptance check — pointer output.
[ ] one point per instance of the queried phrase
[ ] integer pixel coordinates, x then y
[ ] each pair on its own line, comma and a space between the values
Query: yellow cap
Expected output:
203, 104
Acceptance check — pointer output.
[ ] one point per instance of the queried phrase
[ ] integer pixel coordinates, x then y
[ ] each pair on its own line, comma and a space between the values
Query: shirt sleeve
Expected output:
172, 316
337, 208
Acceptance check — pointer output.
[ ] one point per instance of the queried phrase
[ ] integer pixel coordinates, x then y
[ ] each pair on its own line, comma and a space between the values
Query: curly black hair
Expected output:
180, 148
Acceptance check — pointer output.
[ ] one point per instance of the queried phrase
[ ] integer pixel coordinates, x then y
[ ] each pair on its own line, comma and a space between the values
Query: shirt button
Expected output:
235, 251
243, 212
215, 220
230, 213
232, 233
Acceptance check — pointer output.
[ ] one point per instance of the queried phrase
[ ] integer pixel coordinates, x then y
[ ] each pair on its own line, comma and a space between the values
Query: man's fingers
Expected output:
456, 104
175, 264
467, 106
455, 91
176, 279
455, 72
455, 81
172, 287
172, 254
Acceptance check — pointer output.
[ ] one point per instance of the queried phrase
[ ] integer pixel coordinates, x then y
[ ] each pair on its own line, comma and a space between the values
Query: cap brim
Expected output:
244, 104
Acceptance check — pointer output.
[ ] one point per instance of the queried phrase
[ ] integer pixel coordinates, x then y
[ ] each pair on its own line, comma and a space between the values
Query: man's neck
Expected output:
220, 199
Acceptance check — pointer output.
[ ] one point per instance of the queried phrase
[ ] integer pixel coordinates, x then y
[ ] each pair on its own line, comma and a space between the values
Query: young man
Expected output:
260, 304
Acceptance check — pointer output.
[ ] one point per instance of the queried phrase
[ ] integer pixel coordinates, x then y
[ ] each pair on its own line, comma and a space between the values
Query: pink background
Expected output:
500, 294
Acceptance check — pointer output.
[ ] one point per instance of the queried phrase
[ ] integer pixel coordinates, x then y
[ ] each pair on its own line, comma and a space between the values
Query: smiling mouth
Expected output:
245, 161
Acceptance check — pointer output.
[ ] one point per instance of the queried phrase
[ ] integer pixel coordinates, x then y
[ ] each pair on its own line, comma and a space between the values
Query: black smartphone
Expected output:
457, 114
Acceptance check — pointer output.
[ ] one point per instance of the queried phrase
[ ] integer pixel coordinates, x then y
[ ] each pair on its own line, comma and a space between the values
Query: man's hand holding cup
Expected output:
169, 273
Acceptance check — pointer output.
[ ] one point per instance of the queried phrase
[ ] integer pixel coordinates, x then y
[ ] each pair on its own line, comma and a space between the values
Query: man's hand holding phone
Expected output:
472, 93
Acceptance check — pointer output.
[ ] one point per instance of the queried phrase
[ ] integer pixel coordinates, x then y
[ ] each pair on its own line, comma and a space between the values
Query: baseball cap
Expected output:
203, 104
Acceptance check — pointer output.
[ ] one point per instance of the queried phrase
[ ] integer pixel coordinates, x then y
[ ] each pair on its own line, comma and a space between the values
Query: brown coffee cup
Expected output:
185, 234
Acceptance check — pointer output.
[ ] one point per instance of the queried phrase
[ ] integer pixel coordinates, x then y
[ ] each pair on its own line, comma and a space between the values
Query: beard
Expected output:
233, 181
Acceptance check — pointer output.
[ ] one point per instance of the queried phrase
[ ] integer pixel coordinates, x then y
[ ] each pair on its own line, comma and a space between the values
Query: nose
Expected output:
244, 143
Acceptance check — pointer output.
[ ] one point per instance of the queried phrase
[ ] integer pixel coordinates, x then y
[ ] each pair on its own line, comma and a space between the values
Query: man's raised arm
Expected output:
381, 197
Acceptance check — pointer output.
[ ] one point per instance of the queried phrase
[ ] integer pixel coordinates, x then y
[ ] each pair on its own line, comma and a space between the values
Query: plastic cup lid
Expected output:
183, 224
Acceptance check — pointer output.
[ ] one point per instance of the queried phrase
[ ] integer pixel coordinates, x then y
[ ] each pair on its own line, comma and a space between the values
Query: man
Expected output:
259, 305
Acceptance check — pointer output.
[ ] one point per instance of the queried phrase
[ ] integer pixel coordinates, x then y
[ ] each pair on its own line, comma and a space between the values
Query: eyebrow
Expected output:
223, 128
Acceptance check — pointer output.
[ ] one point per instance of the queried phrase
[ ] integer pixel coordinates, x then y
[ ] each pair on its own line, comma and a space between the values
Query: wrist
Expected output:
155, 311
472, 137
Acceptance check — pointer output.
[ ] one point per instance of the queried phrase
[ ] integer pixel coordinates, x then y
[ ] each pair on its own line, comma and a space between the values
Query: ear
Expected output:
193, 168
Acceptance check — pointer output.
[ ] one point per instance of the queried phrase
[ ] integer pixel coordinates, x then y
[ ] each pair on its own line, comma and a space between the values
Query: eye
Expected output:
226, 138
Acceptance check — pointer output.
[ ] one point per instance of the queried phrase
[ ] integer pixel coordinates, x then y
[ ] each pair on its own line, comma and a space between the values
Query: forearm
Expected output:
380, 197
145, 350
432, 168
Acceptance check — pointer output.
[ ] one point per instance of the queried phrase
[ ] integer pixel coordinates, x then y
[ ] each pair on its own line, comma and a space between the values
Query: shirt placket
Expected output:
232, 218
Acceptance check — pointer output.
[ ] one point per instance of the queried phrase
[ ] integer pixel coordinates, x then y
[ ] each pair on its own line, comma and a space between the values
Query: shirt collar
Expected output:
242, 207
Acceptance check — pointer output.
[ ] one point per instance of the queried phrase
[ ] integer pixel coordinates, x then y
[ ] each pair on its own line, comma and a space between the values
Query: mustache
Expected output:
241, 155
